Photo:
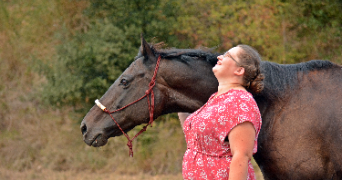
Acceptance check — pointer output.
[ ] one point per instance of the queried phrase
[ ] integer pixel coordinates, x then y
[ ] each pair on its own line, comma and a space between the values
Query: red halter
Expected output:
150, 108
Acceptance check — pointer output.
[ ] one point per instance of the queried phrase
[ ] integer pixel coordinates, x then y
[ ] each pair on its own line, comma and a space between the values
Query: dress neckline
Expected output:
213, 95
212, 98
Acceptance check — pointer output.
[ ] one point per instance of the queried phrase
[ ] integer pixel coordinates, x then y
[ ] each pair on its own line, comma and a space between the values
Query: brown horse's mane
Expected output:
279, 77
183, 55
186, 55
283, 77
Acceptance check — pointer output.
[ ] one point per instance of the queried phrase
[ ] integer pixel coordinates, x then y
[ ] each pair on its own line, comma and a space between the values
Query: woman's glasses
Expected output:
227, 54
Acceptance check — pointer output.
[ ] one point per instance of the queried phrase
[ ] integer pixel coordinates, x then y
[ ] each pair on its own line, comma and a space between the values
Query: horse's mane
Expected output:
184, 55
280, 78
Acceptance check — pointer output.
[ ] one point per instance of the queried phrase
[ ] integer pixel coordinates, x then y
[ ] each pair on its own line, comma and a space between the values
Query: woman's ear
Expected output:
240, 71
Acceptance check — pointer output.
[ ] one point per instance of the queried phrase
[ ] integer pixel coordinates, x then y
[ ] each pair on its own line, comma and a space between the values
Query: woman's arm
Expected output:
241, 140
182, 117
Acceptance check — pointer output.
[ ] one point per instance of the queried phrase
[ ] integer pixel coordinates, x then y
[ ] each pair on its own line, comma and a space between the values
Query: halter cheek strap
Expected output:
150, 108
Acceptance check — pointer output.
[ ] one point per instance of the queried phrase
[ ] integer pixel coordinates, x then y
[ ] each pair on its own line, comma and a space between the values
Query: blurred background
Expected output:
58, 56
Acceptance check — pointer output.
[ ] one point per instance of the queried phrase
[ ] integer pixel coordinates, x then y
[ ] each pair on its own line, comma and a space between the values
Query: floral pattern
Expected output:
207, 155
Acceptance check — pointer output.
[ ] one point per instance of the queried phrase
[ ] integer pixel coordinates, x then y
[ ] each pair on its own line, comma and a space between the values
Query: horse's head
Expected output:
176, 82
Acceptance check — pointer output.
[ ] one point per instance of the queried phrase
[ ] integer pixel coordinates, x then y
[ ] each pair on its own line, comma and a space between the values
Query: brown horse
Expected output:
301, 106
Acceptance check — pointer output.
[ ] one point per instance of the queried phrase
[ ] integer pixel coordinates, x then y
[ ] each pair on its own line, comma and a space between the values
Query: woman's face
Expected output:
227, 63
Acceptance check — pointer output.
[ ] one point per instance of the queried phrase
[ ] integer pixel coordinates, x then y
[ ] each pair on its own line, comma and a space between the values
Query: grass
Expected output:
78, 175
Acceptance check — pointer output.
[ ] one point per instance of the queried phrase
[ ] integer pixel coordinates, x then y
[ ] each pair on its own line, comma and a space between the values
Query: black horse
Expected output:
301, 107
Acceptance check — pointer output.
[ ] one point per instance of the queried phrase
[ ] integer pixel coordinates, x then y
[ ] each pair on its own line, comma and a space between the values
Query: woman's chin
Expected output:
215, 71
216, 68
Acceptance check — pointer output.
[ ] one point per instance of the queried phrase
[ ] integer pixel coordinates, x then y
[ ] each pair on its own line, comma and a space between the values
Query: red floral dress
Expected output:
207, 155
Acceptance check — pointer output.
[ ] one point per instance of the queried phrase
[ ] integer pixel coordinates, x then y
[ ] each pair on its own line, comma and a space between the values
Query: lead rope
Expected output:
150, 108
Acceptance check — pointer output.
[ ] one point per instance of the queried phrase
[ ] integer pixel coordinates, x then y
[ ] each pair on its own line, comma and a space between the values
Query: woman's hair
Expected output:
250, 59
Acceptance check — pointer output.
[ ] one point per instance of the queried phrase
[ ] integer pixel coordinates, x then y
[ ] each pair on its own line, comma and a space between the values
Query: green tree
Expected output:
88, 65
90, 61
153, 18
225, 24
316, 27
283, 31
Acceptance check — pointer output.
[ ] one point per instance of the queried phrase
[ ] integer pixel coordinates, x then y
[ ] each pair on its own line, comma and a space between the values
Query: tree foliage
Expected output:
317, 28
90, 61
283, 31
153, 18
88, 64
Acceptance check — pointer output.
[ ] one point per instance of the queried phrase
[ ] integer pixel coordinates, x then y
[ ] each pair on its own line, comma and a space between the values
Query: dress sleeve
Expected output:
242, 108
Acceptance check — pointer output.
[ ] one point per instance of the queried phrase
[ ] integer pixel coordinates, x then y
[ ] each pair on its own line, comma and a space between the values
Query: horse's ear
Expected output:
146, 50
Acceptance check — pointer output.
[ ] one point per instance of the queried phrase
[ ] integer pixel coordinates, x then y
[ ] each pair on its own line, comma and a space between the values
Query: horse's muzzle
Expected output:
99, 140
96, 140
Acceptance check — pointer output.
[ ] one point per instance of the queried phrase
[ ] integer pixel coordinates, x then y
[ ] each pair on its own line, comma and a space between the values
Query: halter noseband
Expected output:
150, 108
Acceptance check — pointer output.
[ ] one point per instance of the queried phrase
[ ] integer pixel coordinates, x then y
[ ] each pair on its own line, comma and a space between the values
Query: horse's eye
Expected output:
124, 82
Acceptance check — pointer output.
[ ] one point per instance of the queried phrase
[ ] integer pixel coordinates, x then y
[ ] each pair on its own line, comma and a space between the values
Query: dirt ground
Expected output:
73, 175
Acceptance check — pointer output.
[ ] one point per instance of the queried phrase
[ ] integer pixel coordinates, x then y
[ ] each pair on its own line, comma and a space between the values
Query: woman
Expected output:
222, 135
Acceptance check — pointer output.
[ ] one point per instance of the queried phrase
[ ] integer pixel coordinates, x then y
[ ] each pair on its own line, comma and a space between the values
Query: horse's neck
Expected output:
191, 85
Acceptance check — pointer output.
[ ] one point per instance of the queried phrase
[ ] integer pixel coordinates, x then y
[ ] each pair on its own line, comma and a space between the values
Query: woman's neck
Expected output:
225, 87
228, 83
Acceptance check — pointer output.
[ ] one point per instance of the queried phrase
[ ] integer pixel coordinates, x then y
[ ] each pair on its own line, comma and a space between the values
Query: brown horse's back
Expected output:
302, 133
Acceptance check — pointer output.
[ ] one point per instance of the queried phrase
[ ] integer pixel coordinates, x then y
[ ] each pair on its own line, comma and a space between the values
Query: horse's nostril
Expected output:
84, 129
